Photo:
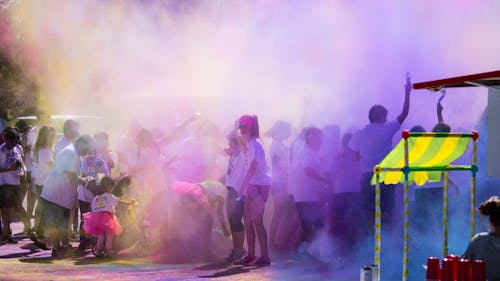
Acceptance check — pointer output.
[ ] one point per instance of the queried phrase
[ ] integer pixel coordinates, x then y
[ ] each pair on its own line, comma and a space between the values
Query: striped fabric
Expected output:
423, 152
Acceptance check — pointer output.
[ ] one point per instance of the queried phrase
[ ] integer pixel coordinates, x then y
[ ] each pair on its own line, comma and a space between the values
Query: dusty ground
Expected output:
24, 261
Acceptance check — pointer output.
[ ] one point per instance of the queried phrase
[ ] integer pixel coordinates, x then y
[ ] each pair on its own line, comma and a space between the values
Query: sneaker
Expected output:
109, 253
246, 260
99, 253
58, 251
41, 245
261, 262
9, 240
236, 254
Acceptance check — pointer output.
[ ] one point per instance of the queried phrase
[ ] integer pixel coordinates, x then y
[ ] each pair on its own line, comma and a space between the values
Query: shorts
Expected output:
54, 216
258, 192
9, 195
367, 196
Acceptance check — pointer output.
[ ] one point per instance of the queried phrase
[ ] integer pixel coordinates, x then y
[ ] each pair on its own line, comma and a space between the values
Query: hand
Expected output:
133, 202
226, 233
408, 85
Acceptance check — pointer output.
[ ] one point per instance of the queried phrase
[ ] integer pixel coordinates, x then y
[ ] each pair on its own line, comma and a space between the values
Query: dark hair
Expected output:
122, 185
107, 184
377, 113
70, 126
441, 127
491, 208
44, 139
86, 144
11, 133
312, 132
417, 129
252, 121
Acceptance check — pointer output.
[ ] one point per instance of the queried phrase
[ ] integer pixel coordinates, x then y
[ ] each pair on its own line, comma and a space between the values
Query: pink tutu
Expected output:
98, 223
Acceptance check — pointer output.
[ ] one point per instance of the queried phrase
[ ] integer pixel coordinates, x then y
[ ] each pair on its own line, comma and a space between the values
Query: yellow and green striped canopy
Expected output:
428, 151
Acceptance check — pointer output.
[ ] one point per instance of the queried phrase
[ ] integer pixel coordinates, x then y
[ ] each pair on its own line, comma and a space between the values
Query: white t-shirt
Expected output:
58, 188
105, 202
41, 165
280, 161
262, 174
303, 187
374, 142
61, 144
236, 170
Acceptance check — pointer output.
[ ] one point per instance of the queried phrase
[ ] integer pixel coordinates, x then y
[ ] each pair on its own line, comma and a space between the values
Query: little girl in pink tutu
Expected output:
102, 222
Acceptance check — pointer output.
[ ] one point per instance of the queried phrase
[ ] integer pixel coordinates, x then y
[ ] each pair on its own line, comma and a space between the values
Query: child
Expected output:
94, 167
234, 208
256, 187
102, 221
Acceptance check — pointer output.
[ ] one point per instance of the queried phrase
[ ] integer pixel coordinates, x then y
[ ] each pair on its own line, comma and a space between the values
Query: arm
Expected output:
250, 172
73, 176
440, 108
406, 104
315, 175
126, 202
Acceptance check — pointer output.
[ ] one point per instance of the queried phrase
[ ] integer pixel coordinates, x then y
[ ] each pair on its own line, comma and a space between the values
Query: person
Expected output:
102, 149
234, 205
42, 159
343, 209
10, 167
59, 192
279, 154
94, 167
70, 133
309, 188
102, 222
486, 245
189, 223
373, 142
255, 186
216, 193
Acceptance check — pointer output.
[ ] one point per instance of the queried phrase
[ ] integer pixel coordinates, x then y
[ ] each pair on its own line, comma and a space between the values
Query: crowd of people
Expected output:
318, 185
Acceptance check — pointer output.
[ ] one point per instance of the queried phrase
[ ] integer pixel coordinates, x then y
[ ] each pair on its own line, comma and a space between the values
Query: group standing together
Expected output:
318, 184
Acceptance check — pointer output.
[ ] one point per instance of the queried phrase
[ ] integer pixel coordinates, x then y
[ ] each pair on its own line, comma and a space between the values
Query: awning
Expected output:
487, 79
423, 152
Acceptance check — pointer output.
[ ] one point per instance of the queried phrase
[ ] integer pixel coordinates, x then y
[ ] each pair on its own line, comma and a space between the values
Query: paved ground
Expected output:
24, 261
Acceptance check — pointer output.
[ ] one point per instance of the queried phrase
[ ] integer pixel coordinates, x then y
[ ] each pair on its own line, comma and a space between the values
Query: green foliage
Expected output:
18, 93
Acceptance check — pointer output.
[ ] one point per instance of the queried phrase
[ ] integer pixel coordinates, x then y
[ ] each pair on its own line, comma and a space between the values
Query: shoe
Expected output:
75, 237
109, 253
236, 254
261, 262
99, 253
41, 245
58, 251
9, 240
246, 260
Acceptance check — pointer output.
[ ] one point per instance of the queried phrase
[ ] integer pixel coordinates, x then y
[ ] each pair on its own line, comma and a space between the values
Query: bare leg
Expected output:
249, 229
258, 214
100, 241
109, 240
